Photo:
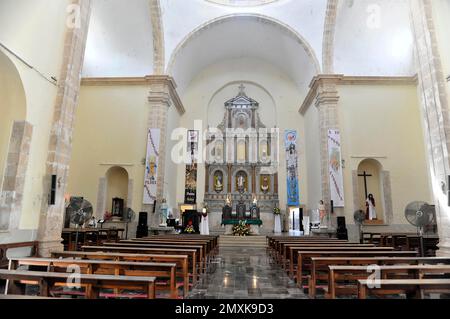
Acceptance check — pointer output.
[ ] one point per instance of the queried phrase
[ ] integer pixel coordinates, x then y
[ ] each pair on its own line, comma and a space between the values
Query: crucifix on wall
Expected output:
365, 175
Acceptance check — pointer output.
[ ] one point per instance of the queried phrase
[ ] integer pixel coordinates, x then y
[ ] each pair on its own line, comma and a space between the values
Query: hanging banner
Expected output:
293, 196
151, 166
190, 195
335, 168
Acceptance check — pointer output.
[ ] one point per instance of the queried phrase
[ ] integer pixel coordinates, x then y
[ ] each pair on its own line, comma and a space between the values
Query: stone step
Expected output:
250, 241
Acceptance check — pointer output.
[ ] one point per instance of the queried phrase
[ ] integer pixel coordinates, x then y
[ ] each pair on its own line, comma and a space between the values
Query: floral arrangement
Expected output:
276, 211
242, 229
107, 216
189, 228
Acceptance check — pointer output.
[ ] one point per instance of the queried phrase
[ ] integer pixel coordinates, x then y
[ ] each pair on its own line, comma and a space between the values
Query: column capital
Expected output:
163, 87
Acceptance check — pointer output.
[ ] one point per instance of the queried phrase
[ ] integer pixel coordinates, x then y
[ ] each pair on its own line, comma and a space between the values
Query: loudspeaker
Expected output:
143, 219
332, 207
301, 220
52, 197
341, 222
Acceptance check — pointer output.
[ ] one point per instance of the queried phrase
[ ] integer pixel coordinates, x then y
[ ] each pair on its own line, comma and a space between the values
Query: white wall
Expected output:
384, 122
312, 154
35, 31
110, 130
441, 11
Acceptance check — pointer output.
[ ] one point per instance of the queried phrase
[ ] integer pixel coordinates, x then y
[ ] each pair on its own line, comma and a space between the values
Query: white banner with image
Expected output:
335, 168
151, 166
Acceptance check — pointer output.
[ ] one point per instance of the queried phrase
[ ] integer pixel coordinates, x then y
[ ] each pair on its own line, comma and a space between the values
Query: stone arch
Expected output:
15, 139
277, 26
117, 185
378, 184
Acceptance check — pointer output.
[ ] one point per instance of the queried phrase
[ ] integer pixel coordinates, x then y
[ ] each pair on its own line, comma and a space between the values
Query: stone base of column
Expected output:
47, 247
444, 249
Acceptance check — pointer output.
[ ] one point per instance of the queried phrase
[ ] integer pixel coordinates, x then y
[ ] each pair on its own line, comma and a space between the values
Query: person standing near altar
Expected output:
371, 213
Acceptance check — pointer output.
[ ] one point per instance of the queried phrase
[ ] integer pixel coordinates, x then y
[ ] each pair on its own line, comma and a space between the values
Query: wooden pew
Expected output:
280, 246
213, 239
294, 249
34, 245
182, 261
192, 253
104, 267
207, 244
353, 273
410, 287
304, 258
18, 297
94, 283
320, 266
201, 248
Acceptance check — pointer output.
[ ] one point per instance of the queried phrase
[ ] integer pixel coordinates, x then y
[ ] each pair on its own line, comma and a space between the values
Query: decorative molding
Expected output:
148, 80
115, 164
366, 157
340, 79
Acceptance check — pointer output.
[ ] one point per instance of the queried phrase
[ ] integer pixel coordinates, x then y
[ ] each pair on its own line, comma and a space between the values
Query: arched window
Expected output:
15, 141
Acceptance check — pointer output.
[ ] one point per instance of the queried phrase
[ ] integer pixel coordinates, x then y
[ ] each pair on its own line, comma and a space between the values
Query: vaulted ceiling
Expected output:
371, 37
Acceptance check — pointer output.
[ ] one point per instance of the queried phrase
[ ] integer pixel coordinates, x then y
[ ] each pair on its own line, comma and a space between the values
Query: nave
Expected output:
245, 273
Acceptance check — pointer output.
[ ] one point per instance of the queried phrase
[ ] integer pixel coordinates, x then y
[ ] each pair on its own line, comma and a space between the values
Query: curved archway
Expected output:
14, 142
370, 183
232, 36
117, 179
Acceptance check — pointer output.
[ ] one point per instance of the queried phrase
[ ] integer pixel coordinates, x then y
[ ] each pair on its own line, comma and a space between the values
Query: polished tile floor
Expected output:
245, 273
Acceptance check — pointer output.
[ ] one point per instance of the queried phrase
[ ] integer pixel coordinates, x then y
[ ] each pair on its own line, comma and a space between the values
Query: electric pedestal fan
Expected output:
360, 216
420, 215
128, 218
80, 211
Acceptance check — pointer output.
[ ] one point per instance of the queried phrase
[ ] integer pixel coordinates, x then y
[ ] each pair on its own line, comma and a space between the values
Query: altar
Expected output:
242, 168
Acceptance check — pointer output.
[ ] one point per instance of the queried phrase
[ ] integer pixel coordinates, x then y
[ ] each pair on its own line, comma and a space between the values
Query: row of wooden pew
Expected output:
156, 266
339, 268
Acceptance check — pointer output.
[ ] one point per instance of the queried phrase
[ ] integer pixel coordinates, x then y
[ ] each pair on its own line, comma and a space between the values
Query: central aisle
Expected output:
245, 273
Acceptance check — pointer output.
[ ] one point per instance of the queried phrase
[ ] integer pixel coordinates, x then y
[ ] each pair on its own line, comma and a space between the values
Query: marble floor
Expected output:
245, 273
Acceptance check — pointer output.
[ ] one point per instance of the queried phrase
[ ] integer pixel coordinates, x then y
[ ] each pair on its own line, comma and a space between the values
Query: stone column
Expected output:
435, 110
159, 103
230, 178
206, 179
327, 99
14, 177
60, 146
254, 190
162, 95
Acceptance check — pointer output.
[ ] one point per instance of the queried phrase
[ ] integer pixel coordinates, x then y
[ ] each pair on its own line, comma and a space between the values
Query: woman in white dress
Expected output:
370, 208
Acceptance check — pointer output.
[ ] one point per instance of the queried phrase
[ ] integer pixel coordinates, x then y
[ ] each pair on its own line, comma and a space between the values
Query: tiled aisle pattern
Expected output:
245, 273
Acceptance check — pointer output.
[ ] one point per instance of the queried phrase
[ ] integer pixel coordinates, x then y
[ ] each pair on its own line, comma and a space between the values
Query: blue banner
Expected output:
293, 196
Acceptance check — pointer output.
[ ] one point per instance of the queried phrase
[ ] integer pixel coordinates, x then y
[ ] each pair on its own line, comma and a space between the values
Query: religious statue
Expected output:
241, 182
265, 184
371, 213
163, 213
218, 182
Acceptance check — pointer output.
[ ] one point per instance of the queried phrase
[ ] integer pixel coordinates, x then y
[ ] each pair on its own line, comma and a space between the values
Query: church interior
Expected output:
225, 149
